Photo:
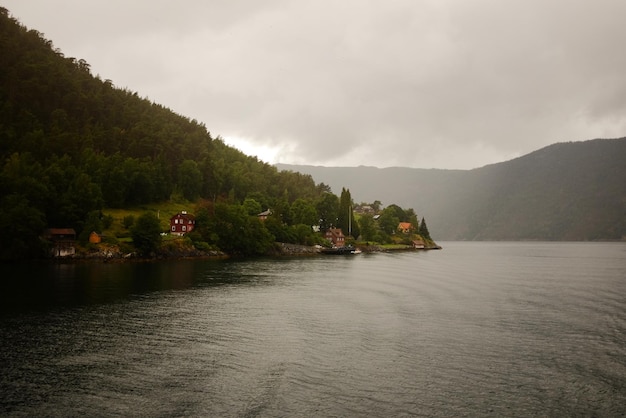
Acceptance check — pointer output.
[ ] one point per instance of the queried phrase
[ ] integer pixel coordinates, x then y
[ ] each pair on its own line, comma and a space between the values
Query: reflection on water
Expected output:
44, 285
478, 329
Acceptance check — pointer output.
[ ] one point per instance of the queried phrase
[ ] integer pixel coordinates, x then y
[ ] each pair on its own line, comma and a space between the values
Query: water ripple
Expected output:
474, 330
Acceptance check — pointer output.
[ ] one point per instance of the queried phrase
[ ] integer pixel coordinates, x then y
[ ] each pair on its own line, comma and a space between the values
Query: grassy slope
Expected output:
164, 210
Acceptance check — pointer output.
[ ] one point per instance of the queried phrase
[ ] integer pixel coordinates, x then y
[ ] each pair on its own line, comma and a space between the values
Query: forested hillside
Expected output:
567, 191
72, 143
74, 147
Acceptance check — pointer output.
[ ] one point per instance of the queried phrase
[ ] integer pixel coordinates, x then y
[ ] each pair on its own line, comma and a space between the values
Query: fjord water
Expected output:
477, 329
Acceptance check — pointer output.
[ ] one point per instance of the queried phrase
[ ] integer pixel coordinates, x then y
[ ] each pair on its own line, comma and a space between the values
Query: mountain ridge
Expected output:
567, 191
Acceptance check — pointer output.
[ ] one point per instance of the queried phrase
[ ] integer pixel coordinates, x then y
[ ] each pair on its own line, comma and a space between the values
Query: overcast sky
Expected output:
413, 83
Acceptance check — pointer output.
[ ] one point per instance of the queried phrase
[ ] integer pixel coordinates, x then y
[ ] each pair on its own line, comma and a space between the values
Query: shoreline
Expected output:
114, 255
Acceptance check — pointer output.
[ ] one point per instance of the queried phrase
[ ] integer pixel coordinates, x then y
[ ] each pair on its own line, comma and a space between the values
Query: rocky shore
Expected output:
113, 253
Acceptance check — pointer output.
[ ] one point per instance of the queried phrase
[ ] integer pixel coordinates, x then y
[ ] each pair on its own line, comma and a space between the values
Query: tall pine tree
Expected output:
423, 230
344, 217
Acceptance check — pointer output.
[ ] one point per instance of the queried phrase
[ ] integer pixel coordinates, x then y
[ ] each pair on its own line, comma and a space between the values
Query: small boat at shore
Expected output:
340, 250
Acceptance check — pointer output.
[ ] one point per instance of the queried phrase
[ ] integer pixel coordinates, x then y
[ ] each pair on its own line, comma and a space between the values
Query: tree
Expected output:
259, 240
367, 227
146, 234
303, 212
139, 181
21, 225
239, 233
423, 230
282, 209
252, 207
84, 196
344, 216
304, 234
397, 212
327, 209
281, 231
204, 225
190, 179
323, 188
411, 217
388, 222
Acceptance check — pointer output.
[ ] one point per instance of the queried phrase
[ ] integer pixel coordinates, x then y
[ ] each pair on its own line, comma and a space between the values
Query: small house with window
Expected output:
182, 223
335, 235
95, 238
405, 227
418, 244
63, 241
263, 215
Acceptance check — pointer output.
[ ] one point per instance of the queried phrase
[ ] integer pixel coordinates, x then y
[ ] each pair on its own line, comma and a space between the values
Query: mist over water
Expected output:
477, 329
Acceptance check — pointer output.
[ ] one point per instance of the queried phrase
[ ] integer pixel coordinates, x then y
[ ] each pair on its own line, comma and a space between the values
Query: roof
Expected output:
183, 215
405, 225
60, 231
335, 231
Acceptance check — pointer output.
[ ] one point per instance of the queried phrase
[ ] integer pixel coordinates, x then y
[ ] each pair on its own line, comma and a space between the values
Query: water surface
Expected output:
477, 329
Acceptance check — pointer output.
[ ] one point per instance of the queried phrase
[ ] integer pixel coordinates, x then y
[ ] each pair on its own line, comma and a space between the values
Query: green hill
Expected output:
72, 143
77, 152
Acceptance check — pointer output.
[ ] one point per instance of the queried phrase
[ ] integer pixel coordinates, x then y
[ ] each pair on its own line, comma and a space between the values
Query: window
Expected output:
184, 228
173, 228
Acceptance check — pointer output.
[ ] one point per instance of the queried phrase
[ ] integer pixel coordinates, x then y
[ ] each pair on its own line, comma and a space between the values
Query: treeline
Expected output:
72, 144
236, 228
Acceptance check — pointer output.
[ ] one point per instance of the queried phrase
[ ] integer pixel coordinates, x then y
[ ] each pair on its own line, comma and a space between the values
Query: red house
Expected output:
335, 236
181, 223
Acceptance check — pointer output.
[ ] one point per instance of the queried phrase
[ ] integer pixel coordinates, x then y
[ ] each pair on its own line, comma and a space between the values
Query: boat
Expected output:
340, 250
349, 249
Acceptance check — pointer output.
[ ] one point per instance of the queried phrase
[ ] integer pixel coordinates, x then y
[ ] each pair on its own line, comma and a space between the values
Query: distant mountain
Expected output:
573, 191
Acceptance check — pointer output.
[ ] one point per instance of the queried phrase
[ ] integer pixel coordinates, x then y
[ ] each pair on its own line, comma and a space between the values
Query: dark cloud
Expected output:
447, 84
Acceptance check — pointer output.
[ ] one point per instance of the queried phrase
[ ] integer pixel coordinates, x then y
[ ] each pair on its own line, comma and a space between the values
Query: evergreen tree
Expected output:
423, 230
345, 216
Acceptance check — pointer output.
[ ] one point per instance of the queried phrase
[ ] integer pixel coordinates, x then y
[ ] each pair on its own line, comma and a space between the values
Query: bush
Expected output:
107, 221
202, 246
146, 234
128, 221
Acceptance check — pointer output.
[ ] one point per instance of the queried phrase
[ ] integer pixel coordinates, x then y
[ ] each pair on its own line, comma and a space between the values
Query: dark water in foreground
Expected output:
478, 329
